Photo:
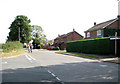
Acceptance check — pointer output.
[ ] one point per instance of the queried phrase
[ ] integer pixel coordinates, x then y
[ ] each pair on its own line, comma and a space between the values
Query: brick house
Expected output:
61, 40
105, 29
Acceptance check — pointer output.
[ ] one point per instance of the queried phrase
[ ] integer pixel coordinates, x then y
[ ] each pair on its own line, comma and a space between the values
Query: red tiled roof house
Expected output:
105, 29
61, 40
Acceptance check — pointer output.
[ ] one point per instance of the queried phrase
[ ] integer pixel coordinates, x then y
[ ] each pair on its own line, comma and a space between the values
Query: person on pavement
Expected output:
31, 47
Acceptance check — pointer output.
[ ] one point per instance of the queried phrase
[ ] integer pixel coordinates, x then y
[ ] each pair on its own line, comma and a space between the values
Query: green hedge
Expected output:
93, 46
9, 46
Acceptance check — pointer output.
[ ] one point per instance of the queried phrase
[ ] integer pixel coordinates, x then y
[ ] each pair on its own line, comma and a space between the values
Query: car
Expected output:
51, 47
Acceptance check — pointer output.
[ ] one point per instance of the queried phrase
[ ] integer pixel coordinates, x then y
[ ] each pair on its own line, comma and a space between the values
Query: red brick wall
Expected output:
93, 34
71, 37
74, 36
114, 25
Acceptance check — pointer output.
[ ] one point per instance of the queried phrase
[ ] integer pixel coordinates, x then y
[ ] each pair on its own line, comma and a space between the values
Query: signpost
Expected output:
115, 42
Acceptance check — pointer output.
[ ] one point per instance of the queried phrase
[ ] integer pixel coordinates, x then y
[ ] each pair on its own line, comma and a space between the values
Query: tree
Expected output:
38, 36
20, 25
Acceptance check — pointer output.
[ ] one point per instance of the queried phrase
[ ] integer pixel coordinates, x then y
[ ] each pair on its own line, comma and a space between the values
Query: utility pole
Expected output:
19, 34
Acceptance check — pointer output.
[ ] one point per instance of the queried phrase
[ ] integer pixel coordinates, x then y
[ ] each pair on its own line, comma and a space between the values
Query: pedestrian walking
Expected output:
28, 48
31, 47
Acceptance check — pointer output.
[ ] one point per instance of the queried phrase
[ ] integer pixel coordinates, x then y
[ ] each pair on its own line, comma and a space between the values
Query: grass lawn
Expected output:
14, 53
77, 54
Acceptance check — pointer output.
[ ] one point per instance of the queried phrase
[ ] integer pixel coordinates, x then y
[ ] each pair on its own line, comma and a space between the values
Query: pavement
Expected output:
111, 60
103, 58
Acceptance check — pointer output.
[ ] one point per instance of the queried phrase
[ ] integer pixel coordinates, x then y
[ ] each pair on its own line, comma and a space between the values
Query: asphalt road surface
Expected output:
48, 66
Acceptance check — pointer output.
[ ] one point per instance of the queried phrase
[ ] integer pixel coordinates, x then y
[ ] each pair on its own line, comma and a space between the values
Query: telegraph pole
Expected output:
19, 34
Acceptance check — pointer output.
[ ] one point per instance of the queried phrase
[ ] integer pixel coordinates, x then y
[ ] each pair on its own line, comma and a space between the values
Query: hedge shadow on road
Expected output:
77, 72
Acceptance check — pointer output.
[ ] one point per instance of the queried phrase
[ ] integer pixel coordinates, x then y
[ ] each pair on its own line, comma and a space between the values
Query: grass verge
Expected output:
78, 54
14, 53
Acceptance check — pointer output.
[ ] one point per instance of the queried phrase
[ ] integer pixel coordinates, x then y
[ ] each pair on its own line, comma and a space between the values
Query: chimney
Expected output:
73, 29
118, 16
58, 35
94, 23
118, 21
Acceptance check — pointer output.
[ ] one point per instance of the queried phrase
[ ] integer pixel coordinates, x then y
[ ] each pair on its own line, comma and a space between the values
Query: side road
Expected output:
100, 59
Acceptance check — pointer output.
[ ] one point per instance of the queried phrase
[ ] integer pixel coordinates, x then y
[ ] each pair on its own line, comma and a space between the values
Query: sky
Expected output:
57, 16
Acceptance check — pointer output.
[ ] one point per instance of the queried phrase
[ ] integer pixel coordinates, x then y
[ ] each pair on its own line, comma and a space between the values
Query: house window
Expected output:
98, 32
88, 34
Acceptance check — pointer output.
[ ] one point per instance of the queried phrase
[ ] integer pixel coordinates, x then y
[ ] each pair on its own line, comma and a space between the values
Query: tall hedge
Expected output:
93, 46
9, 46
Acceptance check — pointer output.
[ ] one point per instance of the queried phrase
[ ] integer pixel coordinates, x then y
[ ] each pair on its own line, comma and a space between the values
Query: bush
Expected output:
93, 46
9, 46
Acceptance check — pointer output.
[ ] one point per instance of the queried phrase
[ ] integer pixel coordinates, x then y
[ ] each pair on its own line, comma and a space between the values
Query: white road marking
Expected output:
31, 57
58, 78
4, 62
27, 57
45, 81
54, 76
48, 71
103, 65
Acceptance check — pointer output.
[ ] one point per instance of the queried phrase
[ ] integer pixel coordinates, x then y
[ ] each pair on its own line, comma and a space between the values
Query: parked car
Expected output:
51, 47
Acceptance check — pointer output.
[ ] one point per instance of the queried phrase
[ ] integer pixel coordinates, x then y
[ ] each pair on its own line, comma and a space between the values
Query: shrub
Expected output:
9, 46
95, 46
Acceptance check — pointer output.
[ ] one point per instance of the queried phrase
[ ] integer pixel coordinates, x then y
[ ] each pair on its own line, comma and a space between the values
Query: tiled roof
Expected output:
65, 35
101, 25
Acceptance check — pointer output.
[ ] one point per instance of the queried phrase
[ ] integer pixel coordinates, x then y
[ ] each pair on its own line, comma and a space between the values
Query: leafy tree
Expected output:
38, 36
21, 22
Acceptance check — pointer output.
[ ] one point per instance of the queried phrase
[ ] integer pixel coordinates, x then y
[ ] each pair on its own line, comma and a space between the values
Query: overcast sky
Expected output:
57, 16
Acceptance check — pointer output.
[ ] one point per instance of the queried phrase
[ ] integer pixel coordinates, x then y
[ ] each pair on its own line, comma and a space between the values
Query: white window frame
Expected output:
88, 34
98, 32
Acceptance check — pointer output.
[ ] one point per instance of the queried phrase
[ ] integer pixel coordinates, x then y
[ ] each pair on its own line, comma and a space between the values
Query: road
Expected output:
48, 66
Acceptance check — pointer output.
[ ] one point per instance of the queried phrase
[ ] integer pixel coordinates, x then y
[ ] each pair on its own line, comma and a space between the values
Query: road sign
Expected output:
115, 42
114, 38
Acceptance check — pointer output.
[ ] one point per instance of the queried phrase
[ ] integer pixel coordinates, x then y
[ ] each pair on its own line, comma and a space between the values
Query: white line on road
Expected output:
27, 57
54, 76
58, 78
4, 62
31, 57
103, 65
